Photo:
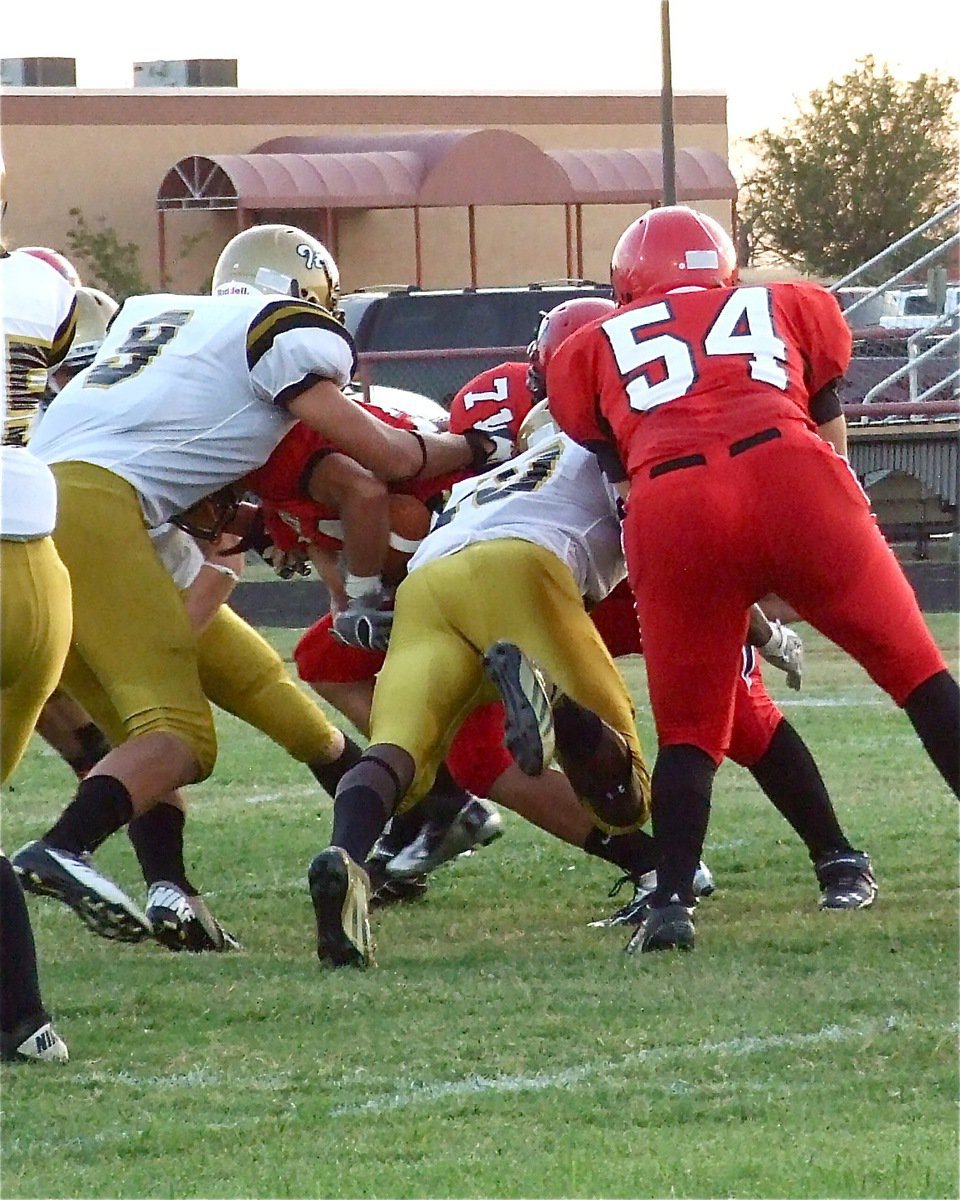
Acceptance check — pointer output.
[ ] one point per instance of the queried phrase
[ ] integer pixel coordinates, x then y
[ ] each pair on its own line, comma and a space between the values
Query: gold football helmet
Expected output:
282, 260
536, 427
94, 311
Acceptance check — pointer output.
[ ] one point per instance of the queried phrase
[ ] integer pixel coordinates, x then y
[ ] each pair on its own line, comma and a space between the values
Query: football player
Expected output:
200, 390
501, 575
717, 404
38, 321
761, 738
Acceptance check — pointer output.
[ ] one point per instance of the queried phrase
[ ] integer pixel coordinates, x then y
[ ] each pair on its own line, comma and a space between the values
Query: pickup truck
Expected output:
912, 308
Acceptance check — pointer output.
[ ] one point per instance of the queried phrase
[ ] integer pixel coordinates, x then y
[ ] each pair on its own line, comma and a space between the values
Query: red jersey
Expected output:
290, 512
494, 400
670, 375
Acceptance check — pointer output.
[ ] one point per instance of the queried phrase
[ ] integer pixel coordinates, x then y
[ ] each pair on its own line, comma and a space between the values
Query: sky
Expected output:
765, 56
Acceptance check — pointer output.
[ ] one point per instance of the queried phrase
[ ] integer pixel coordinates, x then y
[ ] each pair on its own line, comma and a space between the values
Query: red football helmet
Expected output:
670, 248
555, 327
55, 259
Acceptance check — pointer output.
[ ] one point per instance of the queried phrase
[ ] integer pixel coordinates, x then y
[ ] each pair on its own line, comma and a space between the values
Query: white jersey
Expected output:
553, 495
38, 310
28, 496
187, 393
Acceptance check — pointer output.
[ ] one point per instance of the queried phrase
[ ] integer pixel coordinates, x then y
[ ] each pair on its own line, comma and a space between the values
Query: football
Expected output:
409, 522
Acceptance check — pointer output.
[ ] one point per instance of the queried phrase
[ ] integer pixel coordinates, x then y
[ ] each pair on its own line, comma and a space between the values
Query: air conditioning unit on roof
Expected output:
190, 72
38, 72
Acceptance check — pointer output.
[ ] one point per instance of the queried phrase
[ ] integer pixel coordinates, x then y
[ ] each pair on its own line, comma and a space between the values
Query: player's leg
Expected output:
764, 741
531, 601
429, 681
35, 623
67, 727
836, 569
141, 664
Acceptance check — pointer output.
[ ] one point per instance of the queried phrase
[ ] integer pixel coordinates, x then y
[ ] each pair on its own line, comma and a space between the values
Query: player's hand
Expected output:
490, 447
365, 622
286, 563
784, 650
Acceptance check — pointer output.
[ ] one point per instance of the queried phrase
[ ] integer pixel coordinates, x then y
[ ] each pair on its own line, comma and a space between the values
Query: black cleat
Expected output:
633, 912
103, 907
846, 880
182, 922
340, 891
383, 889
529, 719
669, 927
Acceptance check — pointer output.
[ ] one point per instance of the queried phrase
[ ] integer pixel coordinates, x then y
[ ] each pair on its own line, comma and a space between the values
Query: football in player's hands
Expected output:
409, 523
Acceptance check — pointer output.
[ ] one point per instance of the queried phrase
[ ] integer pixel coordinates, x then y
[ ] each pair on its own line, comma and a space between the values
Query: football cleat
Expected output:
633, 912
529, 720
44, 1044
103, 907
669, 927
182, 922
477, 824
340, 891
383, 889
846, 880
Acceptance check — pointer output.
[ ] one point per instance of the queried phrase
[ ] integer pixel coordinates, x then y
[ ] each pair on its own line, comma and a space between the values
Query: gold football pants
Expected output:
450, 610
133, 660
35, 623
242, 673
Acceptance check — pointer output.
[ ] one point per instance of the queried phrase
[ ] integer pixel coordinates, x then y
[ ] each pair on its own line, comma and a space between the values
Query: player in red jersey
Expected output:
719, 405
494, 400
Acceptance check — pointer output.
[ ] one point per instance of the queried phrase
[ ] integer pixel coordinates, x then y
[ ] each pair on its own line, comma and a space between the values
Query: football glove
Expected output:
490, 447
286, 563
784, 650
364, 622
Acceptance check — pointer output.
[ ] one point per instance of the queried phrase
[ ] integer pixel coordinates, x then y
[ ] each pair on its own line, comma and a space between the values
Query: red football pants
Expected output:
786, 516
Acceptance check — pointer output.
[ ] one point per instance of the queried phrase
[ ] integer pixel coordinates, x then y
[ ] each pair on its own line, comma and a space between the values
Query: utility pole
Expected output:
667, 152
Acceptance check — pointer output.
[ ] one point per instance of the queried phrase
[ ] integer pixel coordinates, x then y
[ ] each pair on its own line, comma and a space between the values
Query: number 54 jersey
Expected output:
673, 374
188, 393
553, 495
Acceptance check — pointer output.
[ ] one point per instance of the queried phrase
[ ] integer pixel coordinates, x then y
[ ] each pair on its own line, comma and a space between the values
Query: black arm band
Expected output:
825, 405
423, 453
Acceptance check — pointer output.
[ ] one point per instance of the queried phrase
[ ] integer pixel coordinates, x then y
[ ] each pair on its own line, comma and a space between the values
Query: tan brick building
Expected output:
112, 154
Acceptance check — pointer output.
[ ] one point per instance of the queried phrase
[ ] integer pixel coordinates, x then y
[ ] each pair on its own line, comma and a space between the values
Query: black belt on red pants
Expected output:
700, 460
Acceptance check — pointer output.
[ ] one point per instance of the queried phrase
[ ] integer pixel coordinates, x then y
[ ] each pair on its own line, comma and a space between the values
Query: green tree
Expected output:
114, 265
865, 161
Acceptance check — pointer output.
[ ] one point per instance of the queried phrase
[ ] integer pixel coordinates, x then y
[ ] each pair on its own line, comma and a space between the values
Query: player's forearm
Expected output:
834, 431
210, 589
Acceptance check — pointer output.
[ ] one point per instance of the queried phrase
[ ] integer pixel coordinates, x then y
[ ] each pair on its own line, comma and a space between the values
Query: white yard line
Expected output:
415, 1093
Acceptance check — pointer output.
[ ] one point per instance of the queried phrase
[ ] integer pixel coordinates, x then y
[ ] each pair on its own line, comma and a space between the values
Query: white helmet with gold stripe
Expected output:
278, 260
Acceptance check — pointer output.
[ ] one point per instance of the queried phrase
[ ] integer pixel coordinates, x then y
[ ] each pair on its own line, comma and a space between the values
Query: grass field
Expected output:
503, 1048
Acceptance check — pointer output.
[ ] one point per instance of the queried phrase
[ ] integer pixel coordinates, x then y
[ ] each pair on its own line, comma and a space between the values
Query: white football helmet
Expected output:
278, 260
94, 311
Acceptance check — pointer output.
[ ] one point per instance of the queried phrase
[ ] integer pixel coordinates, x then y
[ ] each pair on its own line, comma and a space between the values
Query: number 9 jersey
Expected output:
672, 374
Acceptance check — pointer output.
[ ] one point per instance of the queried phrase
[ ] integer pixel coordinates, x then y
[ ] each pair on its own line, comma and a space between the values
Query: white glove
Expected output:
784, 650
364, 622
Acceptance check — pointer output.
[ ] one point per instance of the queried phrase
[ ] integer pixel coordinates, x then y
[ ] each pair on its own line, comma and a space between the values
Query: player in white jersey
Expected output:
35, 613
497, 586
186, 395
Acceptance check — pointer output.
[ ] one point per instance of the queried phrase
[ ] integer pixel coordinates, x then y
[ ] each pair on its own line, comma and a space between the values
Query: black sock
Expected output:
681, 787
445, 798
789, 777
93, 747
157, 838
101, 806
359, 818
634, 852
934, 711
329, 774
21, 1008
